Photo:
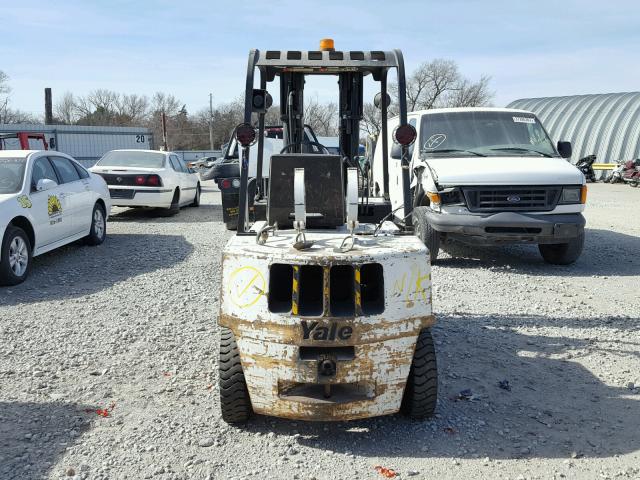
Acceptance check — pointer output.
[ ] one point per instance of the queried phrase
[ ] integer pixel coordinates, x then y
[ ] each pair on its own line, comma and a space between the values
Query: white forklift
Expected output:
325, 308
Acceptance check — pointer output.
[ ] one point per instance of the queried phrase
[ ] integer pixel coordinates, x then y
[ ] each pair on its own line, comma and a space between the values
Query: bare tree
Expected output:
165, 102
323, 117
8, 114
439, 83
5, 90
133, 108
470, 94
65, 109
371, 119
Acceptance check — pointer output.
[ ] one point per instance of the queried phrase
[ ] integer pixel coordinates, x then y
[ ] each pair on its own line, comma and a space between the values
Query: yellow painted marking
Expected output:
419, 288
240, 286
295, 287
398, 287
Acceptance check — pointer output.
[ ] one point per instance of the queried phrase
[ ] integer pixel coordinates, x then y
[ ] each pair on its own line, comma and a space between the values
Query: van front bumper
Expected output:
509, 227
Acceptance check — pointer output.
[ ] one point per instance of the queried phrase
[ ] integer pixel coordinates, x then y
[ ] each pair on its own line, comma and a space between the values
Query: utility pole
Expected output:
48, 107
211, 120
164, 131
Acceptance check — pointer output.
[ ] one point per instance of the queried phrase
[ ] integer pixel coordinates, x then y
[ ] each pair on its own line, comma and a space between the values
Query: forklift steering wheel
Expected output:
287, 147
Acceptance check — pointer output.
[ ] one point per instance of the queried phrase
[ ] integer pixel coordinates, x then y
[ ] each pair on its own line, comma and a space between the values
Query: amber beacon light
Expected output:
327, 44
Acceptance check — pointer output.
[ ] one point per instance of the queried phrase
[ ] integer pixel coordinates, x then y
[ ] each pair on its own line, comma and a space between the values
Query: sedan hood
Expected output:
456, 171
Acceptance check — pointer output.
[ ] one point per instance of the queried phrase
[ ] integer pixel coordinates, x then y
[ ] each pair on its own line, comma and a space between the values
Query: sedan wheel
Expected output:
98, 230
15, 258
18, 256
98, 223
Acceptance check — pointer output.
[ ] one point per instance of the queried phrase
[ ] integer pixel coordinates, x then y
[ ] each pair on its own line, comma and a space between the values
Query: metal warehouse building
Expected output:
607, 125
85, 144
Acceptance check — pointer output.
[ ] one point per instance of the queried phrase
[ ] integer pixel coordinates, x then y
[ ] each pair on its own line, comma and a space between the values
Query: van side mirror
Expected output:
45, 184
564, 149
396, 151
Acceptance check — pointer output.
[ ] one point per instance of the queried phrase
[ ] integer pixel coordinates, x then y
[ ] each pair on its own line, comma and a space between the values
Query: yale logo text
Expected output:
314, 331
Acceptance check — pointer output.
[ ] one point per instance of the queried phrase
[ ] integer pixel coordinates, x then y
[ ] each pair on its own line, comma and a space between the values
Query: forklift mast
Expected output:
292, 66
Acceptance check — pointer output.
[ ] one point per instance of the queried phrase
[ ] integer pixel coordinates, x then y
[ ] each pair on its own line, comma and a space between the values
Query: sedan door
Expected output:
191, 180
49, 207
180, 171
77, 194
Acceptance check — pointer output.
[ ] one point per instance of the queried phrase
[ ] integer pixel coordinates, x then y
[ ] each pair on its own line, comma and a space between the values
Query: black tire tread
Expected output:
562, 253
421, 392
174, 208
426, 233
91, 239
7, 277
234, 395
196, 200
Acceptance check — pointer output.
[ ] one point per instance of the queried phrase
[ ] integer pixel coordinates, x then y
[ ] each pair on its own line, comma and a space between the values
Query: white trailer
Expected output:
85, 143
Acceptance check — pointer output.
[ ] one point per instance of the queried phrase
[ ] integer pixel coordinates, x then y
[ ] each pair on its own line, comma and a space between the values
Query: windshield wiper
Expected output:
520, 149
452, 150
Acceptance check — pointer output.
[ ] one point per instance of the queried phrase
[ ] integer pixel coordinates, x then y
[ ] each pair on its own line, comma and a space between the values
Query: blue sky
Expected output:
191, 48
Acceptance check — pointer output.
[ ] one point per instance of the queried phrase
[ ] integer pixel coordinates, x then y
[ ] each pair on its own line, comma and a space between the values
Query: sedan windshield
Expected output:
484, 134
141, 159
11, 174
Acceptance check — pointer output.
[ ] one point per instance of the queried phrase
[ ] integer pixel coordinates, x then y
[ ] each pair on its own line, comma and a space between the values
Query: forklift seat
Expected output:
324, 190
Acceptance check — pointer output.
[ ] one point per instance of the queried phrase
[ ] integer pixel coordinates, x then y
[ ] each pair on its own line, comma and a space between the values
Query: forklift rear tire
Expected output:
421, 393
426, 233
234, 395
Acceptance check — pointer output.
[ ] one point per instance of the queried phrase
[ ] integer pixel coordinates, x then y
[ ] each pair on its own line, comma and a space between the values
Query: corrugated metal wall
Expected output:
85, 144
605, 124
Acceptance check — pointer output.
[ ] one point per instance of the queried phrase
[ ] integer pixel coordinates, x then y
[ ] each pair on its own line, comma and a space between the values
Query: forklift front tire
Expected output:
234, 396
421, 393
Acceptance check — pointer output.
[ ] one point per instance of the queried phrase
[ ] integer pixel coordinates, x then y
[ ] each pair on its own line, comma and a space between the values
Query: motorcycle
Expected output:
616, 174
631, 174
585, 165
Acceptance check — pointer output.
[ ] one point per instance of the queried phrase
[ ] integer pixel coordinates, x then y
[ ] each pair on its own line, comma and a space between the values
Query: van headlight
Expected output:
572, 195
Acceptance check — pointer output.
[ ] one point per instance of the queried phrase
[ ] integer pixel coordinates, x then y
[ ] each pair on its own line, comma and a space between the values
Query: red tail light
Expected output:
140, 180
226, 183
154, 181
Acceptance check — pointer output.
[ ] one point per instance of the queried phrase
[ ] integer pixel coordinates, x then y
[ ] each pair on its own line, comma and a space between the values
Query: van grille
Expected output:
493, 199
335, 291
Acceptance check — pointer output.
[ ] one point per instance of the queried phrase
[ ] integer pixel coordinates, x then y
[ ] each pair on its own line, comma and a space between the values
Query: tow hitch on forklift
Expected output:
325, 308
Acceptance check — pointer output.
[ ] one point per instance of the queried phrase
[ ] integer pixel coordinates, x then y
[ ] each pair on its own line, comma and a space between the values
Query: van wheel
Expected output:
562, 253
98, 230
16, 256
234, 395
426, 233
421, 393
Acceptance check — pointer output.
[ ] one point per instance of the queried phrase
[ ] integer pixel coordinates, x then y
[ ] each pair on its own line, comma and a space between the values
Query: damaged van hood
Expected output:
456, 171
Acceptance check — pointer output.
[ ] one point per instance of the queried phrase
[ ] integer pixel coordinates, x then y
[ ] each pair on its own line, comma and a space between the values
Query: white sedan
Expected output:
148, 178
47, 200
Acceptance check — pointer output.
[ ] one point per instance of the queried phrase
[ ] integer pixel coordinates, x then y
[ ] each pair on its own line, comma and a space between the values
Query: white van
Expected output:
488, 176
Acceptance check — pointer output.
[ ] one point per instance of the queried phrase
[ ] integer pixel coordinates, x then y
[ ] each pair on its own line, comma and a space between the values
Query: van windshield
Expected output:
484, 134
11, 174
119, 158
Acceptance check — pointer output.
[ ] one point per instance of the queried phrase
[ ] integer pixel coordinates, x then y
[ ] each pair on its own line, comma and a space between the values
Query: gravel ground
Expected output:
108, 364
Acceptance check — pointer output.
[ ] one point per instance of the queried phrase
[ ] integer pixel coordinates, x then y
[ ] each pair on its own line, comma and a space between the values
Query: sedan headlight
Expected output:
573, 195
